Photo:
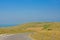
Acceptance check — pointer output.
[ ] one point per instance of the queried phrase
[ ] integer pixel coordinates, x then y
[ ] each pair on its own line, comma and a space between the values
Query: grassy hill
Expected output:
41, 30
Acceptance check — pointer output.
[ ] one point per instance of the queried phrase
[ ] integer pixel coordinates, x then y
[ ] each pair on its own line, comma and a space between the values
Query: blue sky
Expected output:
21, 11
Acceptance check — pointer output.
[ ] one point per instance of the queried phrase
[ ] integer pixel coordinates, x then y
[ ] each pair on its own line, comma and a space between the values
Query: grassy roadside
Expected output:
42, 30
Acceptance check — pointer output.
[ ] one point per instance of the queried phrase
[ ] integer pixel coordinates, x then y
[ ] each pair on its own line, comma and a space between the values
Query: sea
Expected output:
7, 25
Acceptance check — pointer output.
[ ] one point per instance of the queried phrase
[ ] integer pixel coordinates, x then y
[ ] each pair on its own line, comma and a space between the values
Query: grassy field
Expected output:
40, 30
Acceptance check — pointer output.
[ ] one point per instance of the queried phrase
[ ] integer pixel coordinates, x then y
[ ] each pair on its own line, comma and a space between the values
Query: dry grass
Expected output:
46, 35
41, 30
35, 29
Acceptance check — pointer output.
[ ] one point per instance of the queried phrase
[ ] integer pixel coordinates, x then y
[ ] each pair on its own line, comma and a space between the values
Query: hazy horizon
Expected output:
22, 11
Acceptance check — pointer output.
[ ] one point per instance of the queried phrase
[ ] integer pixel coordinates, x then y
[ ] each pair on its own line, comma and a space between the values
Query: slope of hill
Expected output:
39, 30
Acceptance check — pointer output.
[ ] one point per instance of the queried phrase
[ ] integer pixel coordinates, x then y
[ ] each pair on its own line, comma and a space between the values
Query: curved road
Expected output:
23, 36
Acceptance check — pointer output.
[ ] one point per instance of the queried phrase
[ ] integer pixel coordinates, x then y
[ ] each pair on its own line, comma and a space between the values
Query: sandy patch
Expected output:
35, 29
